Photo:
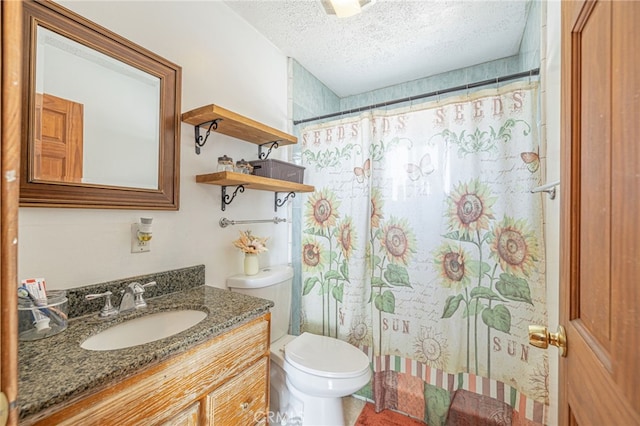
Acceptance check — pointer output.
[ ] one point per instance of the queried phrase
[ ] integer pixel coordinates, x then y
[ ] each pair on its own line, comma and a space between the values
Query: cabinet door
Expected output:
187, 417
242, 400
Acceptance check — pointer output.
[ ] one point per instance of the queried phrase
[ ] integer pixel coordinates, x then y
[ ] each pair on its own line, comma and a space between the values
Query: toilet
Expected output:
309, 373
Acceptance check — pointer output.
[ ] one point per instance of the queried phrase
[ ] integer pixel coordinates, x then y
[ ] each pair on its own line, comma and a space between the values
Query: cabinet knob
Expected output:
244, 405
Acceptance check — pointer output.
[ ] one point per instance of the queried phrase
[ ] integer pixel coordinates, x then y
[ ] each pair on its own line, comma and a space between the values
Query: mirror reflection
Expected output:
97, 119
101, 125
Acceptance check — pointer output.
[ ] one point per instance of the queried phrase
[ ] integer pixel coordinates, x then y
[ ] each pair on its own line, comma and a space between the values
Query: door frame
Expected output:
568, 240
10, 124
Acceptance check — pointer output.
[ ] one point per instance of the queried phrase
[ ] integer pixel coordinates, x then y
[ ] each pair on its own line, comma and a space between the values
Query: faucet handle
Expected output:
108, 310
149, 284
138, 291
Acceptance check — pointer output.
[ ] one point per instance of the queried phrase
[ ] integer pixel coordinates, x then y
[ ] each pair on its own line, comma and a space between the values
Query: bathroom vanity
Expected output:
216, 372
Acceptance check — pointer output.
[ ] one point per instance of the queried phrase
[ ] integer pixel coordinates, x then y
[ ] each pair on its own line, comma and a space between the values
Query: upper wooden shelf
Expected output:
253, 182
237, 126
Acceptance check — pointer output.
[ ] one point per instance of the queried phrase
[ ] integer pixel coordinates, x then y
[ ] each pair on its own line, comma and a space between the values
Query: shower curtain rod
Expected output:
496, 80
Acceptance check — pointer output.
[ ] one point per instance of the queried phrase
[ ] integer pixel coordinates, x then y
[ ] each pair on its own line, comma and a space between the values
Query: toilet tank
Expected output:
273, 283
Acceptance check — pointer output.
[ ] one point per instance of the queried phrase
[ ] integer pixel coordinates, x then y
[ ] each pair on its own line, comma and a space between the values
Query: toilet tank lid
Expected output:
264, 278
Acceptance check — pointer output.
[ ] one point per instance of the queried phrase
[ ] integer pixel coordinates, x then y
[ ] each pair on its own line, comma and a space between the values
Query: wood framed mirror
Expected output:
101, 117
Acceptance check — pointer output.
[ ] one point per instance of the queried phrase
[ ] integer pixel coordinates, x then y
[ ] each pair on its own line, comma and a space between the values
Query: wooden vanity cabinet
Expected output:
224, 381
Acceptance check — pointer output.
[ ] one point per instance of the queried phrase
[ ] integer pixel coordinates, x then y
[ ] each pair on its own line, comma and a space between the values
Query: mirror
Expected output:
101, 127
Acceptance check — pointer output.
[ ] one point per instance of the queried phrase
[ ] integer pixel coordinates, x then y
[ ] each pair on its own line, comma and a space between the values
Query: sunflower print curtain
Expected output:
423, 246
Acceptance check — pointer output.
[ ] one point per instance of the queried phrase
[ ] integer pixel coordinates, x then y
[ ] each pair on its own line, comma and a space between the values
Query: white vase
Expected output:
251, 264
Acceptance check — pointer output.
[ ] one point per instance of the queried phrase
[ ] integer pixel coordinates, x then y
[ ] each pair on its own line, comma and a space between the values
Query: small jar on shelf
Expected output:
225, 164
244, 167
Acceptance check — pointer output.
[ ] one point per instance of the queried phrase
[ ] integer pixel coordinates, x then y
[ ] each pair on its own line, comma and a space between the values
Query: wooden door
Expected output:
10, 123
58, 139
600, 244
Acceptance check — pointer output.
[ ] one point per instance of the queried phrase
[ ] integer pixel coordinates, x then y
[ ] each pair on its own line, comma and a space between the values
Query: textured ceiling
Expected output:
391, 41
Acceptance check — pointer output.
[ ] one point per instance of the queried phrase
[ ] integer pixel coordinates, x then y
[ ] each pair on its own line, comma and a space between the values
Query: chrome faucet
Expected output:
132, 296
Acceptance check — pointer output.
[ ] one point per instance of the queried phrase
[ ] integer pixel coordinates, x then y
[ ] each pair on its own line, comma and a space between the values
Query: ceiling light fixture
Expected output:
344, 8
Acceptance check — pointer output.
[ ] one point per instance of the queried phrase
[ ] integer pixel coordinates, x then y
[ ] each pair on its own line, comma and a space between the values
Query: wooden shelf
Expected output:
237, 126
215, 118
252, 182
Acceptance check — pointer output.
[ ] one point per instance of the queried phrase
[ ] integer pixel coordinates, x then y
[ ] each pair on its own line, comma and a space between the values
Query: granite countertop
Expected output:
56, 369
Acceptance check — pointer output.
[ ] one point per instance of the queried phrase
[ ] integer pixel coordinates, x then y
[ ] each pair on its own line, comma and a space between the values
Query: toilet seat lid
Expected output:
325, 356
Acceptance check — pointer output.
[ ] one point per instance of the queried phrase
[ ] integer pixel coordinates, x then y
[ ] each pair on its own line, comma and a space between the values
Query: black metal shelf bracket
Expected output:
264, 156
281, 202
226, 199
200, 141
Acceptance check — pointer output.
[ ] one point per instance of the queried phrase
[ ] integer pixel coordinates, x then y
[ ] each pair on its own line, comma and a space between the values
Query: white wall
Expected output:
224, 61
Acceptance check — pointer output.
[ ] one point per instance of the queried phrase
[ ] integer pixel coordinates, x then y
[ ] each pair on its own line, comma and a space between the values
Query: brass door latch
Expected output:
540, 337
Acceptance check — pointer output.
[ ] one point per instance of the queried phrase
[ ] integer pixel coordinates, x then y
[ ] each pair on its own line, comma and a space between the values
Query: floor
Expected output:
352, 407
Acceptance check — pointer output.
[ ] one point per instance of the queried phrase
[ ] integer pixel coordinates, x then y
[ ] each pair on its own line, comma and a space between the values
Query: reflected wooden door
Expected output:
58, 139
600, 248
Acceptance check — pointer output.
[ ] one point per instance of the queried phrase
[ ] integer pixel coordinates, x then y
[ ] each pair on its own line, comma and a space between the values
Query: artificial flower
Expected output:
250, 243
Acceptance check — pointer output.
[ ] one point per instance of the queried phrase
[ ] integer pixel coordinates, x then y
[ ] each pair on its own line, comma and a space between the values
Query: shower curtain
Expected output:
423, 246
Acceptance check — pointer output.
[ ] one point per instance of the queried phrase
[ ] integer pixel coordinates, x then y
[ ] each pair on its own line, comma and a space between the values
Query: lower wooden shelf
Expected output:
253, 182
242, 181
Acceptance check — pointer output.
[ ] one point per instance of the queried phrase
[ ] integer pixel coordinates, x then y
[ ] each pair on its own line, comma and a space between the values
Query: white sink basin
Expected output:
143, 330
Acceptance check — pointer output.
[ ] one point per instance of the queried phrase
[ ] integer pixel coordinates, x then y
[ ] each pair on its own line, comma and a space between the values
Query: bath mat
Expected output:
369, 417
471, 409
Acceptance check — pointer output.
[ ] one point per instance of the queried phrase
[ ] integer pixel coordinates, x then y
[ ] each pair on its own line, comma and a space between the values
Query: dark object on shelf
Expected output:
276, 169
